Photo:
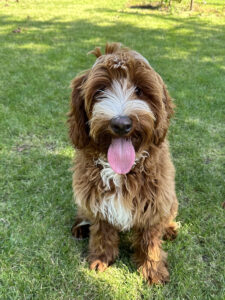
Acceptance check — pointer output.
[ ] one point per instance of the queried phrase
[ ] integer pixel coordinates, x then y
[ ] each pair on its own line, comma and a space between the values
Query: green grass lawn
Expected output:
38, 257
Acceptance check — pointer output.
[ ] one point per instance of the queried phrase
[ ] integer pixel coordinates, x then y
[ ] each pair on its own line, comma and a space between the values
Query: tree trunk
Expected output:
191, 4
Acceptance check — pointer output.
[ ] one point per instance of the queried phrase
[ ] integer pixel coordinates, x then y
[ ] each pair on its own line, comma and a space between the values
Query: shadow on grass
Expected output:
195, 36
151, 7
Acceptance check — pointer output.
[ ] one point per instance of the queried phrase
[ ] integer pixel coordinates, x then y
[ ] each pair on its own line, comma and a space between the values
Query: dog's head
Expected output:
120, 107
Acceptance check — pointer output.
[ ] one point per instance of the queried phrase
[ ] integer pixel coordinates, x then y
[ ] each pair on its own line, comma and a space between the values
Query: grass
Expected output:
38, 257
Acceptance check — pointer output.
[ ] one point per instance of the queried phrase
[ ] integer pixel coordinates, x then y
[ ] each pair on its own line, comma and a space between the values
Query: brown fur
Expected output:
148, 190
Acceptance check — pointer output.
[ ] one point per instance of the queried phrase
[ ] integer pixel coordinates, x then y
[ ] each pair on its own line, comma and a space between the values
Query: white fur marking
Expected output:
82, 223
113, 210
116, 101
108, 174
112, 207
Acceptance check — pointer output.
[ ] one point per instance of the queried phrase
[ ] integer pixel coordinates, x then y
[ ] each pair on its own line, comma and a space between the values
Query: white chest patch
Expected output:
112, 207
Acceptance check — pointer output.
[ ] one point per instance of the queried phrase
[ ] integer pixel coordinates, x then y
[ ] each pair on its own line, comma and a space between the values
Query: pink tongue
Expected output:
121, 155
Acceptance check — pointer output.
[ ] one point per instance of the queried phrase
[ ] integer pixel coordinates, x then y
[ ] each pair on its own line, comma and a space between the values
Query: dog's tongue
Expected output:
121, 155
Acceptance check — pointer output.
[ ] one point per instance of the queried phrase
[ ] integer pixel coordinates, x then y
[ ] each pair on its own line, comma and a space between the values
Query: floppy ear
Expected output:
78, 120
169, 105
164, 116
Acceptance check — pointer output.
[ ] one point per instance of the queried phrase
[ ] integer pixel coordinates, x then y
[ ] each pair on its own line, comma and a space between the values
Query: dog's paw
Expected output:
155, 272
98, 265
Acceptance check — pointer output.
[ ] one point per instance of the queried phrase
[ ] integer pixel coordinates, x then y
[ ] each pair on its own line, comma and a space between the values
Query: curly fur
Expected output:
143, 200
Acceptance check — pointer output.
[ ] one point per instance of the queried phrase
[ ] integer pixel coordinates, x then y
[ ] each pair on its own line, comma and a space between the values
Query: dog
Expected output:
123, 176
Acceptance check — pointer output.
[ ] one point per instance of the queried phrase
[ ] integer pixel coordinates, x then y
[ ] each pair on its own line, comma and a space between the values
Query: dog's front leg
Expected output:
103, 245
149, 256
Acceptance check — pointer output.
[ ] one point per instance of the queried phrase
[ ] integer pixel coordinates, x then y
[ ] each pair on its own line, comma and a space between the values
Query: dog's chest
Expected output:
112, 206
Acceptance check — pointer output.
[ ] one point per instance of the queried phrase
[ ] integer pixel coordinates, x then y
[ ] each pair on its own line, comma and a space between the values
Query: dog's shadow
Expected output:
126, 251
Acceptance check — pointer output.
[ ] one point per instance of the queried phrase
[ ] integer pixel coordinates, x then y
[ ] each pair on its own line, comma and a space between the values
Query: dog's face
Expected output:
120, 107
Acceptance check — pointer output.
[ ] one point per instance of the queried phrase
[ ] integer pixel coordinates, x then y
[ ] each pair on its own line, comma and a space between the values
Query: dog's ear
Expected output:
77, 117
164, 116
169, 105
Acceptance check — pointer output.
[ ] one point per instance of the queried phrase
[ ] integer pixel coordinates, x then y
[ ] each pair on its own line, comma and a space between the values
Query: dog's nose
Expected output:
121, 125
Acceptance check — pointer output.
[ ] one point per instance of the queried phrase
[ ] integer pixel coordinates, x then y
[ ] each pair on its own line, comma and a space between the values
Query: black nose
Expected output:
121, 125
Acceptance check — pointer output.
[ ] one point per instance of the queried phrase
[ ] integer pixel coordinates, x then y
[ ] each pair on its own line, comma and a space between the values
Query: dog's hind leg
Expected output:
80, 228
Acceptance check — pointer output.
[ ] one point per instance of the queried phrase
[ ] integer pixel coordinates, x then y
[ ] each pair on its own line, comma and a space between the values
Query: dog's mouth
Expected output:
121, 155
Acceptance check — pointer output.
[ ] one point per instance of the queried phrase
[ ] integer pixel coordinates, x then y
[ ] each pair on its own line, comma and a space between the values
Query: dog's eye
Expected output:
96, 93
138, 91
